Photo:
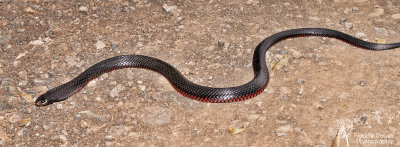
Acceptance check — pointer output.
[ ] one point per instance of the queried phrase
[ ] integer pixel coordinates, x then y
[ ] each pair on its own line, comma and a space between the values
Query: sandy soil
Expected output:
319, 87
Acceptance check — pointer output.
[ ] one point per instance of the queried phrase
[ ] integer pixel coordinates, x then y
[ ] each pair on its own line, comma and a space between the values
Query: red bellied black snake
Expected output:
192, 90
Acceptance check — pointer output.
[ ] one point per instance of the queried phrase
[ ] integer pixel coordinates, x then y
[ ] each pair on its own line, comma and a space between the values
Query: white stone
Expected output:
396, 16
83, 9
100, 45
37, 42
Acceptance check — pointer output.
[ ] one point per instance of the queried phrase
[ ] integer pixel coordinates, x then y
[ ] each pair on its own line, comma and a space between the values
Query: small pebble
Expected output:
4, 38
301, 81
83, 9
22, 83
281, 134
119, 130
14, 118
301, 90
20, 30
142, 87
47, 39
108, 138
30, 10
318, 106
20, 132
71, 61
84, 124
348, 25
63, 138
253, 117
342, 20
100, 45
362, 83
221, 43
55, 138
296, 54
284, 128
20, 55
120, 104
172, 9
37, 42
397, 83
59, 106
360, 35
168, 8
377, 12
283, 52
393, 129
77, 116
381, 30
381, 71
363, 119
259, 104
45, 127
114, 44
209, 49
281, 121
396, 16
207, 139
22, 74
346, 11
297, 129
115, 91
314, 18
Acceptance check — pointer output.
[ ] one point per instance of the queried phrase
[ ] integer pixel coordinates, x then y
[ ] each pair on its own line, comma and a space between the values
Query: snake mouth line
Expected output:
38, 104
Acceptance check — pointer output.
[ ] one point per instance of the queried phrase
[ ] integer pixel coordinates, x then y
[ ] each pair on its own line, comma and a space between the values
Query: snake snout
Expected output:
41, 102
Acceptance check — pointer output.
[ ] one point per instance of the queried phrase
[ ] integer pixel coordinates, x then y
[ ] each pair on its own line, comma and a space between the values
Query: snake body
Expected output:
195, 91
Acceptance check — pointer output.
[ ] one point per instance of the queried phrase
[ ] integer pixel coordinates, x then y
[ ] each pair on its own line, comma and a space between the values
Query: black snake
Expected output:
192, 90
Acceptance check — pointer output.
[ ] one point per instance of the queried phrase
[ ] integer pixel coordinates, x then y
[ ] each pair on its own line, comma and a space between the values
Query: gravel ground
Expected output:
319, 87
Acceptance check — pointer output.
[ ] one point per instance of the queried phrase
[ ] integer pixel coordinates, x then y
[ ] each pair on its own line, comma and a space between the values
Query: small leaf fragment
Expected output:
30, 10
234, 130
336, 141
24, 122
380, 41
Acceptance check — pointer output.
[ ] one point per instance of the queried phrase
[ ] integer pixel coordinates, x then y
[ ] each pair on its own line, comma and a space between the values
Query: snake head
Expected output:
43, 100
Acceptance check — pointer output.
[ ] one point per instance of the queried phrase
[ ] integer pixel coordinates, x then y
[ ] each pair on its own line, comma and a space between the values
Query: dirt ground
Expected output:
319, 87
